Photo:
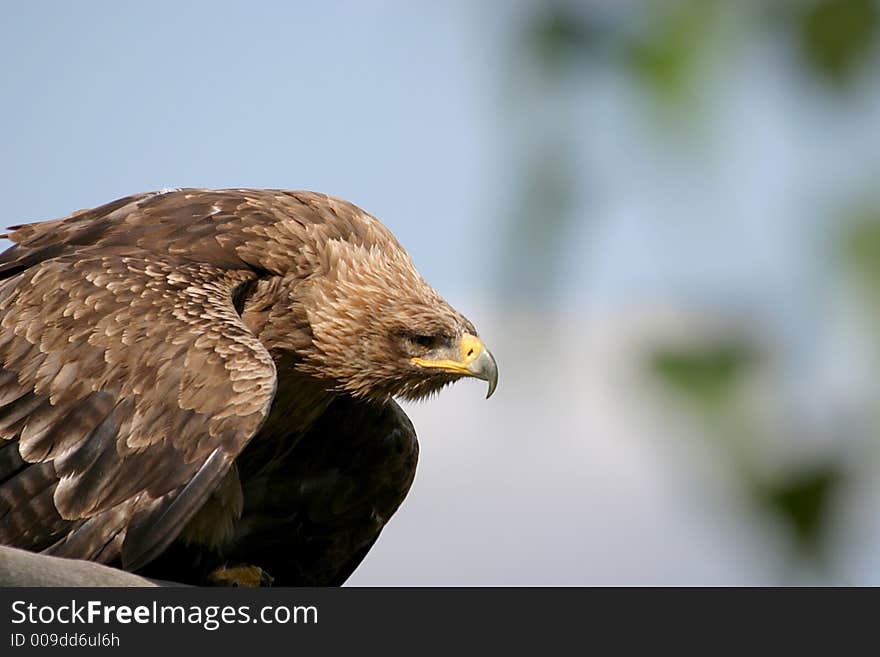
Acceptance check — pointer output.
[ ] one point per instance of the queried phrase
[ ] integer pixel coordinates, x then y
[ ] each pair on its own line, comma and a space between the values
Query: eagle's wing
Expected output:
128, 385
312, 515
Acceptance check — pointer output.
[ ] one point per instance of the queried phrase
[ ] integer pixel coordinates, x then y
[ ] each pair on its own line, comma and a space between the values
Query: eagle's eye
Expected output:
425, 341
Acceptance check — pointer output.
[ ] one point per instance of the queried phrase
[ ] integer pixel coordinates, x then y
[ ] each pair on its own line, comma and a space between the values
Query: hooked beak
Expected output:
473, 359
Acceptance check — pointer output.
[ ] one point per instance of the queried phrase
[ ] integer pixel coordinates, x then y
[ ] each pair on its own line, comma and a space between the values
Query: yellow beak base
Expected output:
476, 361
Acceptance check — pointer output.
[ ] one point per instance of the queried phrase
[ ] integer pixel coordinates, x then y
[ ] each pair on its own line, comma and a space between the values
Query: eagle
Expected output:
199, 385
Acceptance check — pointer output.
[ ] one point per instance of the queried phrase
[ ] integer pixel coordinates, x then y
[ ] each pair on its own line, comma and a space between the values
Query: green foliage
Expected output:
836, 36
709, 377
532, 264
666, 55
706, 374
557, 38
804, 501
664, 46
861, 246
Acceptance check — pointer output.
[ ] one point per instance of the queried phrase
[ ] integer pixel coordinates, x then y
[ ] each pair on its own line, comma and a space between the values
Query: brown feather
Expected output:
141, 347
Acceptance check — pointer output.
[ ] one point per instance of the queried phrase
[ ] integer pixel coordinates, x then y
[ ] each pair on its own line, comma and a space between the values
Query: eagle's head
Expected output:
378, 330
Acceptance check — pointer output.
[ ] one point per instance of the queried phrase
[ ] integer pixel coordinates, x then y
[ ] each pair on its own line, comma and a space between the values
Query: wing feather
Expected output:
126, 423
312, 515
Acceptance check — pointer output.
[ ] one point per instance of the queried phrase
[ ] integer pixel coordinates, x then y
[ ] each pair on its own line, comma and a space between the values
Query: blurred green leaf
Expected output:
539, 225
836, 35
861, 245
804, 501
707, 374
666, 56
557, 37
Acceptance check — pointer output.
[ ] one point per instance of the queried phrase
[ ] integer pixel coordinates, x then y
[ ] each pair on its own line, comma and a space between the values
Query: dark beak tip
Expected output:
491, 373
493, 383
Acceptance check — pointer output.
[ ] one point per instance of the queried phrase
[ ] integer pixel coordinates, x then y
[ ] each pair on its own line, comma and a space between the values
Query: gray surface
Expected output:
21, 568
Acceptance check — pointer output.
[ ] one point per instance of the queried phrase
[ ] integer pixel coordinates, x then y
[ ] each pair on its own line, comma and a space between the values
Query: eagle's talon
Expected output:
243, 576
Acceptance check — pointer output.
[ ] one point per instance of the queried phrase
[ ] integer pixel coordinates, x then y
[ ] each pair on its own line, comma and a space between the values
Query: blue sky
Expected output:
402, 108
373, 102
